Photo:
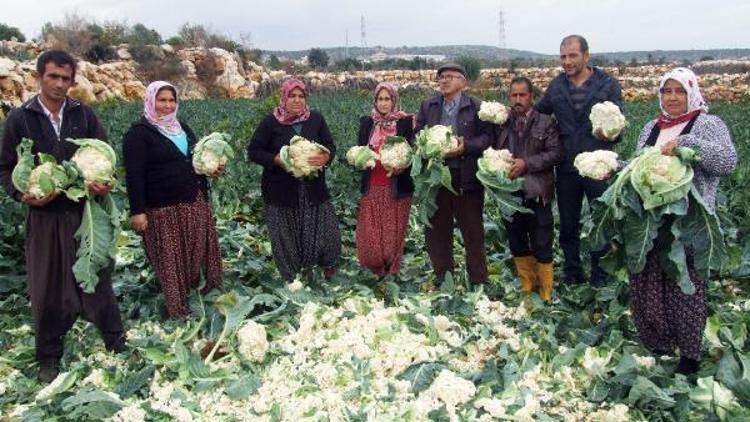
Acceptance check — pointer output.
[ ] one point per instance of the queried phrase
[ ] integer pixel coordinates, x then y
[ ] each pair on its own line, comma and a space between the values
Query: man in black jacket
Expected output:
459, 111
533, 140
570, 97
56, 298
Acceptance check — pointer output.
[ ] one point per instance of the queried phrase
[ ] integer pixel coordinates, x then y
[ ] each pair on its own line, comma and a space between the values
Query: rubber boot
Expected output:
546, 274
526, 267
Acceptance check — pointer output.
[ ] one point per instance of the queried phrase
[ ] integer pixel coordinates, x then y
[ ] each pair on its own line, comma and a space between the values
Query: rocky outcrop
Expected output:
214, 71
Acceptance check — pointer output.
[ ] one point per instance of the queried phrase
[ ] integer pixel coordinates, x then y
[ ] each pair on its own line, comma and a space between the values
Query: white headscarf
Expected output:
689, 82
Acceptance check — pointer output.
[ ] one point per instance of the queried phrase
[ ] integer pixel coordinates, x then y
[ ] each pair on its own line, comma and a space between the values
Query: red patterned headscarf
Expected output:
281, 114
385, 124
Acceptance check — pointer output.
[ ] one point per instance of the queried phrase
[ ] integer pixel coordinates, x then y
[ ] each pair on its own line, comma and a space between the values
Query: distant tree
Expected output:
472, 65
200, 36
317, 58
139, 34
7, 32
706, 58
598, 61
348, 65
274, 63
175, 41
633, 61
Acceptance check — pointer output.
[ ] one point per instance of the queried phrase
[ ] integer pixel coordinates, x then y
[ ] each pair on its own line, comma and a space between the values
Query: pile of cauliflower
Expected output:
607, 119
597, 165
295, 156
493, 112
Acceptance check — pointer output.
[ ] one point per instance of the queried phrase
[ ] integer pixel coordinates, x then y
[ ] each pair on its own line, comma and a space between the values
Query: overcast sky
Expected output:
609, 25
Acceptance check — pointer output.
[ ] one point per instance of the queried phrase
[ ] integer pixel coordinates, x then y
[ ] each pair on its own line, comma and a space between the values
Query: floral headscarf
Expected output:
385, 124
695, 102
281, 114
168, 124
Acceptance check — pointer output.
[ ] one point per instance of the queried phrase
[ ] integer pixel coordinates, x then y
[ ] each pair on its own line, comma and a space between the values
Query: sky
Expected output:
609, 25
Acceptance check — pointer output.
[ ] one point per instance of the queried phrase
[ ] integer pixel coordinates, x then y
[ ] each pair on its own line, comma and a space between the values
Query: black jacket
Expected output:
29, 121
478, 135
401, 186
277, 185
575, 126
158, 174
539, 146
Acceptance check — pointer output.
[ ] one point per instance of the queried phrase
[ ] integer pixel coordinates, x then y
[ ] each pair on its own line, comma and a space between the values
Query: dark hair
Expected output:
167, 87
58, 57
523, 80
581, 41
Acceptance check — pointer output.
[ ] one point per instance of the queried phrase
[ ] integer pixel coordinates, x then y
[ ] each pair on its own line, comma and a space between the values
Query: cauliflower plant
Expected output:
395, 153
607, 118
361, 157
496, 160
597, 165
253, 343
95, 160
295, 156
493, 112
211, 152
436, 141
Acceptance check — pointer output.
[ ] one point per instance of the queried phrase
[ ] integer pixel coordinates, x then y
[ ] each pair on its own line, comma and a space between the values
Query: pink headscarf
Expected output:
168, 124
281, 114
385, 124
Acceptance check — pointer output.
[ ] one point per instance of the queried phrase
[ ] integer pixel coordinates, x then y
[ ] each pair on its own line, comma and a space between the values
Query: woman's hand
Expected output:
458, 150
319, 160
395, 171
139, 222
38, 202
668, 147
277, 161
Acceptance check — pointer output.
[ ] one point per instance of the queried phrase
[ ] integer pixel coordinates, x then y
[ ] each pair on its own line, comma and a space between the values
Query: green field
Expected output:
573, 360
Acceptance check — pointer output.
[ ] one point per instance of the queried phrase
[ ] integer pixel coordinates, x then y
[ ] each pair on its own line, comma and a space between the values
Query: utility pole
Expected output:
501, 34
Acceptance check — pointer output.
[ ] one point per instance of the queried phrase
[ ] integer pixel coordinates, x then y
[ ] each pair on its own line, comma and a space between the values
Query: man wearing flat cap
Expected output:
459, 111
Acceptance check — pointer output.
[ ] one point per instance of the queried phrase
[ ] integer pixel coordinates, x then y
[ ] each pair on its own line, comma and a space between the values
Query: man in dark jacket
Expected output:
459, 111
533, 140
570, 97
56, 298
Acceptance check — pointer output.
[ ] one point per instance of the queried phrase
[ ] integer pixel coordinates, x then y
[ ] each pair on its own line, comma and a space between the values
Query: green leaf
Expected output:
96, 237
421, 375
644, 393
243, 387
638, 234
702, 231
24, 165
135, 382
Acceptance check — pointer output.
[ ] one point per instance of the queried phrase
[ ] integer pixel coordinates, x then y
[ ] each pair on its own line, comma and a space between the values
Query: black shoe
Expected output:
48, 371
687, 366
117, 346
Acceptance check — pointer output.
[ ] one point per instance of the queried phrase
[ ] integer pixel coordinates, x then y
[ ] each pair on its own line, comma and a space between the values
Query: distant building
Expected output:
381, 55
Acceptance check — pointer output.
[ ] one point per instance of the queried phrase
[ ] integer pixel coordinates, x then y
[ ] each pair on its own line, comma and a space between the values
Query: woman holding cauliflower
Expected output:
386, 188
168, 200
293, 144
664, 316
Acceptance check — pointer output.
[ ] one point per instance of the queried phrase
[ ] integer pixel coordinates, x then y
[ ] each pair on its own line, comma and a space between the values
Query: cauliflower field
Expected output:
355, 349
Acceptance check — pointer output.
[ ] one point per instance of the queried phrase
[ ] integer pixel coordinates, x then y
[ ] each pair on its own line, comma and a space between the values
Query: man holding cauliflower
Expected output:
571, 97
532, 139
56, 298
457, 111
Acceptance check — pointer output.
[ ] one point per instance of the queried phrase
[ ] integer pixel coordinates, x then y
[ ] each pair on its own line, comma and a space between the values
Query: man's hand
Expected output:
318, 160
38, 202
458, 150
518, 168
394, 171
278, 162
100, 189
668, 147
599, 134
219, 172
139, 222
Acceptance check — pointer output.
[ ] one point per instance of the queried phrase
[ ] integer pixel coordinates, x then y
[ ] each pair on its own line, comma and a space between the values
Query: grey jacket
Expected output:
711, 138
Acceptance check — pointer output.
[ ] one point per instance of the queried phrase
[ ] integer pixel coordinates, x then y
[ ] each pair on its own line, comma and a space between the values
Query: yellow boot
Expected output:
545, 272
526, 267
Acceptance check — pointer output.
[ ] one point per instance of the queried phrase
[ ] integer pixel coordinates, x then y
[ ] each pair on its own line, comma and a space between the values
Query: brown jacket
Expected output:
539, 146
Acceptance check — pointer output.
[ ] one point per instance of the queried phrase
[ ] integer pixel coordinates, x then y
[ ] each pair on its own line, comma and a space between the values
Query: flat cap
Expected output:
452, 66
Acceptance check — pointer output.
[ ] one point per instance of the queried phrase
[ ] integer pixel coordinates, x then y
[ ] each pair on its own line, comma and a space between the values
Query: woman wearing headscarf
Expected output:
300, 216
169, 201
384, 207
664, 316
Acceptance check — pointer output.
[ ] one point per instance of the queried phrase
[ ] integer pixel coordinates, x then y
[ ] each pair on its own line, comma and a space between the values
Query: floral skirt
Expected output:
381, 230
303, 236
181, 244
